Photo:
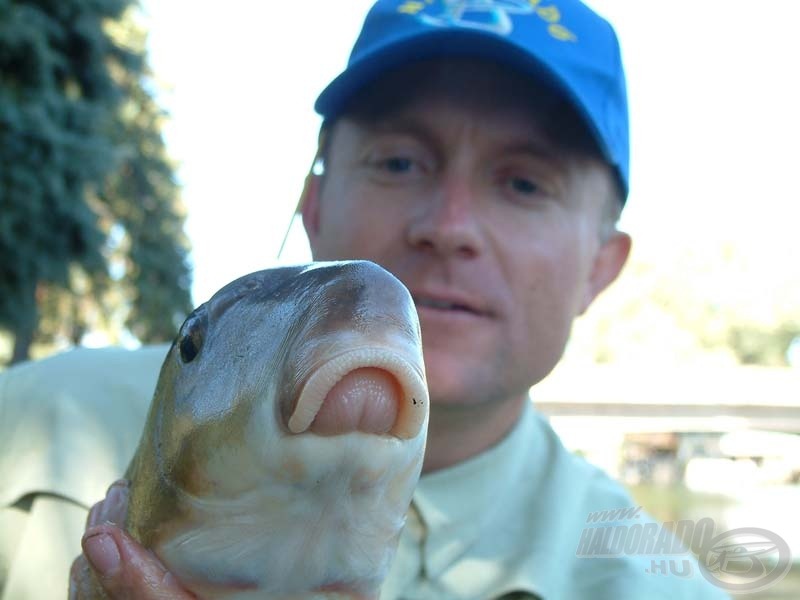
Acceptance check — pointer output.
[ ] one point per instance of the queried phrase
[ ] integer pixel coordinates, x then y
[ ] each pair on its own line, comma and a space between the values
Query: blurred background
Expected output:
152, 152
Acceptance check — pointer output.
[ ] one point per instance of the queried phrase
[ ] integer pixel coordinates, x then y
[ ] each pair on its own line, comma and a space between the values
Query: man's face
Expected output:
494, 230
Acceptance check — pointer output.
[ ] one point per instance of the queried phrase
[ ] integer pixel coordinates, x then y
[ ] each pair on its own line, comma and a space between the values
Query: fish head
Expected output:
291, 411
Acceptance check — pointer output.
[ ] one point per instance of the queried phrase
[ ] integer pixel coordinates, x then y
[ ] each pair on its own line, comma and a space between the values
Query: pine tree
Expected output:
83, 169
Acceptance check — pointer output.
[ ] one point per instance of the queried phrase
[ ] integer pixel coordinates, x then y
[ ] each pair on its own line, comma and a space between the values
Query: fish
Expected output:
285, 436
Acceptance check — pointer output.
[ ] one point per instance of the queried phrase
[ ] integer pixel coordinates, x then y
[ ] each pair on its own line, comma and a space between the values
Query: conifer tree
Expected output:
90, 217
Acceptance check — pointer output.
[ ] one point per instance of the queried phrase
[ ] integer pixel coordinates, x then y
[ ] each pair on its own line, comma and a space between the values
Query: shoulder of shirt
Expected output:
562, 491
70, 423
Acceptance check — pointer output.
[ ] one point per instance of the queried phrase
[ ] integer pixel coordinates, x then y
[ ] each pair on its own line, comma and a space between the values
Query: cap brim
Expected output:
399, 51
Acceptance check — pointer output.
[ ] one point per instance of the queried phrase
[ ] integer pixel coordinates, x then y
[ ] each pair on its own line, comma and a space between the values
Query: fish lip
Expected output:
413, 408
470, 303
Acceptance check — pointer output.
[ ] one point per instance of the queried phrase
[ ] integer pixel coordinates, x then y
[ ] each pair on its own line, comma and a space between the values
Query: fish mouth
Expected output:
405, 407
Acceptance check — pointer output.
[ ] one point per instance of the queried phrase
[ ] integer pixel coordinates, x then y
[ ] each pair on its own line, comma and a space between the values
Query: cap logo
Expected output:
494, 16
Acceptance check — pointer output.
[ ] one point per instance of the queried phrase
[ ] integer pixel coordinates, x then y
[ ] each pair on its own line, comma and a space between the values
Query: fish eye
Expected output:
192, 336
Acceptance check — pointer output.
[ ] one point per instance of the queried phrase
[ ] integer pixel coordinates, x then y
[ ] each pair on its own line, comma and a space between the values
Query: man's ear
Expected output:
611, 257
309, 207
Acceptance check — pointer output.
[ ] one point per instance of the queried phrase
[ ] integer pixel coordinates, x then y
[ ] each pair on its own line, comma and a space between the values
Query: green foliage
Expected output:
756, 344
725, 303
156, 272
83, 169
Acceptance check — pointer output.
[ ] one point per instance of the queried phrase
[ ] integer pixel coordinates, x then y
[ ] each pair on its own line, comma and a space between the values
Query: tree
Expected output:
90, 217
731, 303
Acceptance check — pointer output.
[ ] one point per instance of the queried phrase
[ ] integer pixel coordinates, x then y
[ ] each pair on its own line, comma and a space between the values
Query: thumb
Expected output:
126, 570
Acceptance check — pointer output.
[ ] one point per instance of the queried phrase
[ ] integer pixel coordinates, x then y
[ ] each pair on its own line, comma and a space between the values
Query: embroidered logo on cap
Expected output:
487, 15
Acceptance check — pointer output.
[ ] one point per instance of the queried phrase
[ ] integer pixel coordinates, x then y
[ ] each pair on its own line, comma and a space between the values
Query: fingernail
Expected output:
119, 483
102, 552
115, 503
94, 516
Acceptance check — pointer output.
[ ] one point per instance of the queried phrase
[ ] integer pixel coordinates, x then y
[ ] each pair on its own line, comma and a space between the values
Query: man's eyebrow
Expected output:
536, 148
534, 145
400, 125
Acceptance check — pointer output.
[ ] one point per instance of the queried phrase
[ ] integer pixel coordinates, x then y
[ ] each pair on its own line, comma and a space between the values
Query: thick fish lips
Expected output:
372, 390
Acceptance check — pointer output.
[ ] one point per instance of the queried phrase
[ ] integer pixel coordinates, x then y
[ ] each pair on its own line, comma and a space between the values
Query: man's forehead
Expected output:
436, 115
487, 90
467, 81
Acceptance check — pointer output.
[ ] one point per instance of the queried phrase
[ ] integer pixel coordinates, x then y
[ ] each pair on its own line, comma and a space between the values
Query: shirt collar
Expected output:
455, 503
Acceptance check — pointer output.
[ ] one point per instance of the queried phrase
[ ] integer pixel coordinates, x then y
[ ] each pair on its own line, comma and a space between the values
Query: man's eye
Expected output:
397, 164
524, 186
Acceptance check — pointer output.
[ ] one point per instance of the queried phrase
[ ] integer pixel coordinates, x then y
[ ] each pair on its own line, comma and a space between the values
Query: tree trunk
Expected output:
25, 329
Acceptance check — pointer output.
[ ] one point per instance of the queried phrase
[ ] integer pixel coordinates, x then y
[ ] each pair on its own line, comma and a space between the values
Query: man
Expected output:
477, 150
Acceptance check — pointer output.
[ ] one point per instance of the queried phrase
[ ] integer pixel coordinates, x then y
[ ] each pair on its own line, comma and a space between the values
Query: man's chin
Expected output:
456, 388
454, 382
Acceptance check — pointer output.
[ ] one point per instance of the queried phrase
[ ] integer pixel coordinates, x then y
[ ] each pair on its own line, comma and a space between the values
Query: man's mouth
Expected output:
446, 305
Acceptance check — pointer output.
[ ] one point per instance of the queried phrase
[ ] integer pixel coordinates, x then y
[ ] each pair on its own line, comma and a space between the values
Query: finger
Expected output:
126, 570
113, 508
82, 584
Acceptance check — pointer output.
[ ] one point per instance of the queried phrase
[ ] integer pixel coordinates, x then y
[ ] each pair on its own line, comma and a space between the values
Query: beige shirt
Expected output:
68, 427
504, 524
508, 523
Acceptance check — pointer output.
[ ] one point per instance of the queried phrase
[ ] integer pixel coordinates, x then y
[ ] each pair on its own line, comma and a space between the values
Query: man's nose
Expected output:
448, 223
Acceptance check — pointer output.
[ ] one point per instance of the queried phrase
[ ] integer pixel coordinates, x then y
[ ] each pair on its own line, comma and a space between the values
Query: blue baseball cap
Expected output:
562, 44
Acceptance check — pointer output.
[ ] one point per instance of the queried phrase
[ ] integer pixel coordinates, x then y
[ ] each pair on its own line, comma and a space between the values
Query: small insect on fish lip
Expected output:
413, 406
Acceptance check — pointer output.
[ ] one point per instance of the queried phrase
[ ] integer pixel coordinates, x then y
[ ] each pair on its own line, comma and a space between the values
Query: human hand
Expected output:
114, 565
